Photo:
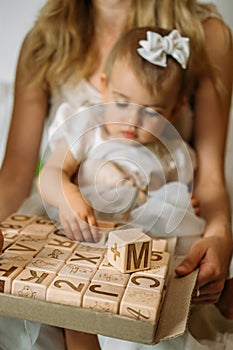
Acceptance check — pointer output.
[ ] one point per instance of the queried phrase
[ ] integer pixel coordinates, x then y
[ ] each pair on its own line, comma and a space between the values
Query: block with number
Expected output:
129, 250
67, 290
159, 244
140, 304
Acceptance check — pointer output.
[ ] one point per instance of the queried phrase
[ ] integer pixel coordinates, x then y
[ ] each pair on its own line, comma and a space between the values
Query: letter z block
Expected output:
129, 250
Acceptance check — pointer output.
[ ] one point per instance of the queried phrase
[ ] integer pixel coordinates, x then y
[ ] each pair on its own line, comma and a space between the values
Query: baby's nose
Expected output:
134, 116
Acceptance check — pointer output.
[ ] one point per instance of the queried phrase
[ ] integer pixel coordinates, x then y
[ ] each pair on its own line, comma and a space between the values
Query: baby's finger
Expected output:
76, 230
94, 229
86, 231
67, 229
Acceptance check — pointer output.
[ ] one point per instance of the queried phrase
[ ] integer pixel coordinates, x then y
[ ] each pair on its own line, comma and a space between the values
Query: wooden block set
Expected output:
126, 277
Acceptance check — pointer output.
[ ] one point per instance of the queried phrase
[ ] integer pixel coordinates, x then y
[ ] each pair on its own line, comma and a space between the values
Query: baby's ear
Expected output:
103, 86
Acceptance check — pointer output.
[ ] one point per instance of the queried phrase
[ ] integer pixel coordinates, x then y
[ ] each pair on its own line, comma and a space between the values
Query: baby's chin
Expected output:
130, 142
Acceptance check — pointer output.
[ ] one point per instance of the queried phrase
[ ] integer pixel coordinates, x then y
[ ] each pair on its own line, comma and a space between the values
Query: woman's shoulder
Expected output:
207, 11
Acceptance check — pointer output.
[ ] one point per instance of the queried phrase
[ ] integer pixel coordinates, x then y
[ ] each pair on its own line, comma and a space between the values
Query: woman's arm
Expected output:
56, 188
213, 252
18, 169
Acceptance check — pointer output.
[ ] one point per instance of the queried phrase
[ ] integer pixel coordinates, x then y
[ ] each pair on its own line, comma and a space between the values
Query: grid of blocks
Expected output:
127, 276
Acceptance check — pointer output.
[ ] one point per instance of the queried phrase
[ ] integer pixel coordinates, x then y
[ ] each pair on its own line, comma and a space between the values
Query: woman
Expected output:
65, 57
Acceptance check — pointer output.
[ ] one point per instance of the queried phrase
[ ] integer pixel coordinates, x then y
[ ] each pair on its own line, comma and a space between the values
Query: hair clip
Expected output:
156, 48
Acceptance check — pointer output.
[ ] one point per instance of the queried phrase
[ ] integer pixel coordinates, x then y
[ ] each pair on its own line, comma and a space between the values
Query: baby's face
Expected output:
135, 114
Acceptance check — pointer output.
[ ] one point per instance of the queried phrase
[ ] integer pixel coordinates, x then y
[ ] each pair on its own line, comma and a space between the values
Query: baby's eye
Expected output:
121, 104
150, 112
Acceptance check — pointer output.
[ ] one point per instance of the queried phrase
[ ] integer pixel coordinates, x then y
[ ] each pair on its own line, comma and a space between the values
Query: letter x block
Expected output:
129, 250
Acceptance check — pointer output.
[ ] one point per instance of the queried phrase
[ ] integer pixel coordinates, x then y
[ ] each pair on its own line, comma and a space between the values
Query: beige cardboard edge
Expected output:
172, 322
176, 306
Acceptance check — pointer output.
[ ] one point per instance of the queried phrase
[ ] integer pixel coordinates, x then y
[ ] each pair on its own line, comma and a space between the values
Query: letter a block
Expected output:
129, 250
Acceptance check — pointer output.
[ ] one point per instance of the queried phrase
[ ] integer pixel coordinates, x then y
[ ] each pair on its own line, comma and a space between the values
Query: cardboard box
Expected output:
172, 321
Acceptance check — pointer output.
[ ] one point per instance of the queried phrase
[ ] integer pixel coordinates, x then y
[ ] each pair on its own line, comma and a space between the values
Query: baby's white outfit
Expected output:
167, 209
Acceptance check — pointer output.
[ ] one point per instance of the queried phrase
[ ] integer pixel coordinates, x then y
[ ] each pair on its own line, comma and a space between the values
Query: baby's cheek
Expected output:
145, 137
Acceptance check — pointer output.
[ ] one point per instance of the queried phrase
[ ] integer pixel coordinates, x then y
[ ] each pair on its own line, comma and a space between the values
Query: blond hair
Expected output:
151, 76
60, 46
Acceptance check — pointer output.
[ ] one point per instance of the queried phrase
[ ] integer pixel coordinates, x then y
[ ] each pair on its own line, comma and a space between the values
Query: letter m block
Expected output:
129, 250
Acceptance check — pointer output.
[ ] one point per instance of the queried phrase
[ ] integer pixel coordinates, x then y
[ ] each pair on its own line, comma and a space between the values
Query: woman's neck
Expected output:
111, 16
110, 20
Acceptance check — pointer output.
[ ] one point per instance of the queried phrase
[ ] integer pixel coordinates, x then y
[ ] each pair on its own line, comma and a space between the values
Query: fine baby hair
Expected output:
156, 56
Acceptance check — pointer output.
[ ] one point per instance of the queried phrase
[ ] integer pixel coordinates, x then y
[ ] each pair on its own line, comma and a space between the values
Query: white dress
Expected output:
162, 174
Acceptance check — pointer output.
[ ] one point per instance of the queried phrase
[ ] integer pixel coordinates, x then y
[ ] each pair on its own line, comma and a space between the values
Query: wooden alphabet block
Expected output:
20, 219
140, 304
146, 281
159, 244
159, 259
10, 228
20, 247
40, 237
86, 258
93, 249
58, 241
103, 297
111, 276
67, 290
6, 244
105, 264
44, 222
39, 226
159, 264
129, 250
106, 225
54, 253
79, 271
44, 264
157, 271
15, 259
14, 223
10, 235
32, 284
7, 274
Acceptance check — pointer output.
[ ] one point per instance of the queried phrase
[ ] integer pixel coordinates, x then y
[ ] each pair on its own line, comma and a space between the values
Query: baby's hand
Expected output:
77, 219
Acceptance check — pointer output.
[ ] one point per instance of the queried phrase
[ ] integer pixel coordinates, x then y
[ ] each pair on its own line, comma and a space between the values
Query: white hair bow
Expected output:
156, 48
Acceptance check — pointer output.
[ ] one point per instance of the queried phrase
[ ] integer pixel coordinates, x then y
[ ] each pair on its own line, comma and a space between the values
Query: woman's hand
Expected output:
212, 255
77, 218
